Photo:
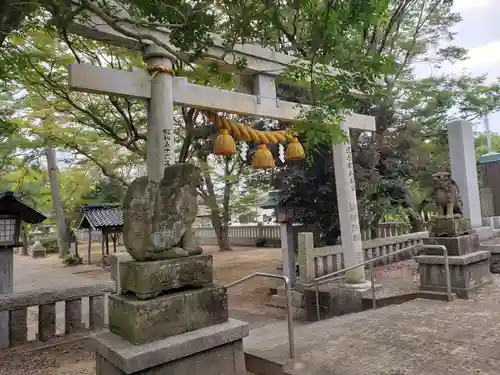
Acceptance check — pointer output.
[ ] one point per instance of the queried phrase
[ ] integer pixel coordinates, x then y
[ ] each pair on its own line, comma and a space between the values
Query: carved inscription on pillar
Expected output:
353, 204
167, 141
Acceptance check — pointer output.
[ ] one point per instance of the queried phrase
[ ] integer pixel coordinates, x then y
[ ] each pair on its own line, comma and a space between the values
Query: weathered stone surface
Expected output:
18, 327
46, 321
495, 257
148, 279
97, 314
158, 218
213, 350
73, 316
457, 245
495, 263
333, 301
6, 288
446, 195
467, 273
46, 296
119, 258
172, 314
449, 227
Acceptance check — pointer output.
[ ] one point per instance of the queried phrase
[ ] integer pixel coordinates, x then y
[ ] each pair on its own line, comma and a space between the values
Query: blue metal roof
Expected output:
490, 157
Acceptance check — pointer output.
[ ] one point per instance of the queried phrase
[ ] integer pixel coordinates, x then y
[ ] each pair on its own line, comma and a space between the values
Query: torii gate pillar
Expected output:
160, 150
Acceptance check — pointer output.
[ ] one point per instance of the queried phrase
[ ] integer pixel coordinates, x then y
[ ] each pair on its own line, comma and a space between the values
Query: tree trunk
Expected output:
374, 226
221, 233
62, 240
24, 250
226, 214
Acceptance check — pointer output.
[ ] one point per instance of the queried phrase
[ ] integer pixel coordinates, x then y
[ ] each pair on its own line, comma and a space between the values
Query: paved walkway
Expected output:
420, 337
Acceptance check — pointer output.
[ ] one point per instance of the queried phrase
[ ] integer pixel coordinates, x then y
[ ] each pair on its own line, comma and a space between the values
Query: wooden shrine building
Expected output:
104, 217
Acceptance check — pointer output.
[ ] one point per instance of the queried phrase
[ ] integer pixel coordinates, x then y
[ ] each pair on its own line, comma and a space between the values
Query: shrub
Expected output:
72, 260
261, 242
50, 244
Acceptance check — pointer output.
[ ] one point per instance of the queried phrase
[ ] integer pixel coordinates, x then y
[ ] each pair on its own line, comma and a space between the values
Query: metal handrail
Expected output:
329, 277
288, 289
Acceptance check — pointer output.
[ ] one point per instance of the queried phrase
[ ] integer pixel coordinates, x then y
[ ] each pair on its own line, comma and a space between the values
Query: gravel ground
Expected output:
65, 359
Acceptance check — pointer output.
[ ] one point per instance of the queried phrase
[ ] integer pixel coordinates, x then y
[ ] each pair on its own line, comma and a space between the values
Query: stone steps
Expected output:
279, 300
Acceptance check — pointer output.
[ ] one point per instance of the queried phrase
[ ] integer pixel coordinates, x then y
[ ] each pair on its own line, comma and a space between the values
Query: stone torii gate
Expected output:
258, 98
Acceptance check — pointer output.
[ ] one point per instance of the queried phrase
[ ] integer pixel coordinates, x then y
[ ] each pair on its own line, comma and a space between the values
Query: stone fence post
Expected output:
306, 257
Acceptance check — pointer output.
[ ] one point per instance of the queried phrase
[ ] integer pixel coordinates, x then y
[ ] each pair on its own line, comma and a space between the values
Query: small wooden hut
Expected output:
104, 217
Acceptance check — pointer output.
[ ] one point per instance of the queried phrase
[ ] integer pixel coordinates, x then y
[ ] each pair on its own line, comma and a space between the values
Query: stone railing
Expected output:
319, 261
16, 309
241, 235
247, 235
387, 229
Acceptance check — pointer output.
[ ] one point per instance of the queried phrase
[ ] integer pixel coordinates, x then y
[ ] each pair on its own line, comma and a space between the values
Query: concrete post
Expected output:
463, 168
288, 252
6, 287
348, 211
161, 145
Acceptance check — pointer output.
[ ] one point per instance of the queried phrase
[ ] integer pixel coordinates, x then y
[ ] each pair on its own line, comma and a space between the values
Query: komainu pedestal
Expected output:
171, 314
182, 327
469, 267
168, 317
149, 279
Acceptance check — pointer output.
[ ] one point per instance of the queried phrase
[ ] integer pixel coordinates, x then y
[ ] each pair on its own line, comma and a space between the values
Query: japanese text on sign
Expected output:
167, 136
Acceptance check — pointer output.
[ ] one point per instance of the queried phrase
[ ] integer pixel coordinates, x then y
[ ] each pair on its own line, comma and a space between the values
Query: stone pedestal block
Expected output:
149, 279
449, 227
495, 257
467, 273
458, 245
38, 253
172, 314
333, 299
214, 350
120, 258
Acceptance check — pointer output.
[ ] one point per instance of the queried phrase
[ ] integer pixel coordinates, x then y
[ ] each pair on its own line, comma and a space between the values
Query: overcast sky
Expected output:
479, 32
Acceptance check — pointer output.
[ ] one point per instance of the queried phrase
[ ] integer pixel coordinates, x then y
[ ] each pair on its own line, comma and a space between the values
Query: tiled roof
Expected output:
100, 215
10, 204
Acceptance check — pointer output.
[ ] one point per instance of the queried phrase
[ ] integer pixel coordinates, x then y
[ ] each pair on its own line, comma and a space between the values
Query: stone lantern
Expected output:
10, 226
285, 216
12, 213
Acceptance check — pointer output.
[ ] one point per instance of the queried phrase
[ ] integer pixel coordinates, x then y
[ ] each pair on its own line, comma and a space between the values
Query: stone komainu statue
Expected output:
446, 195
158, 217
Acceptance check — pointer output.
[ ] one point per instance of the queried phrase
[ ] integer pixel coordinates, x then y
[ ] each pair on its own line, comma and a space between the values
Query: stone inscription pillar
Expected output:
348, 210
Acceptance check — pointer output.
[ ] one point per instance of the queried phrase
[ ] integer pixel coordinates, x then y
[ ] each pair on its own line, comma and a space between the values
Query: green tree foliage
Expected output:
394, 165
109, 132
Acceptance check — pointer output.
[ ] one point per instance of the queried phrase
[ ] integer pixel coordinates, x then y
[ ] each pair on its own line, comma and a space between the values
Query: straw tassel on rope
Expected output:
295, 151
263, 158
